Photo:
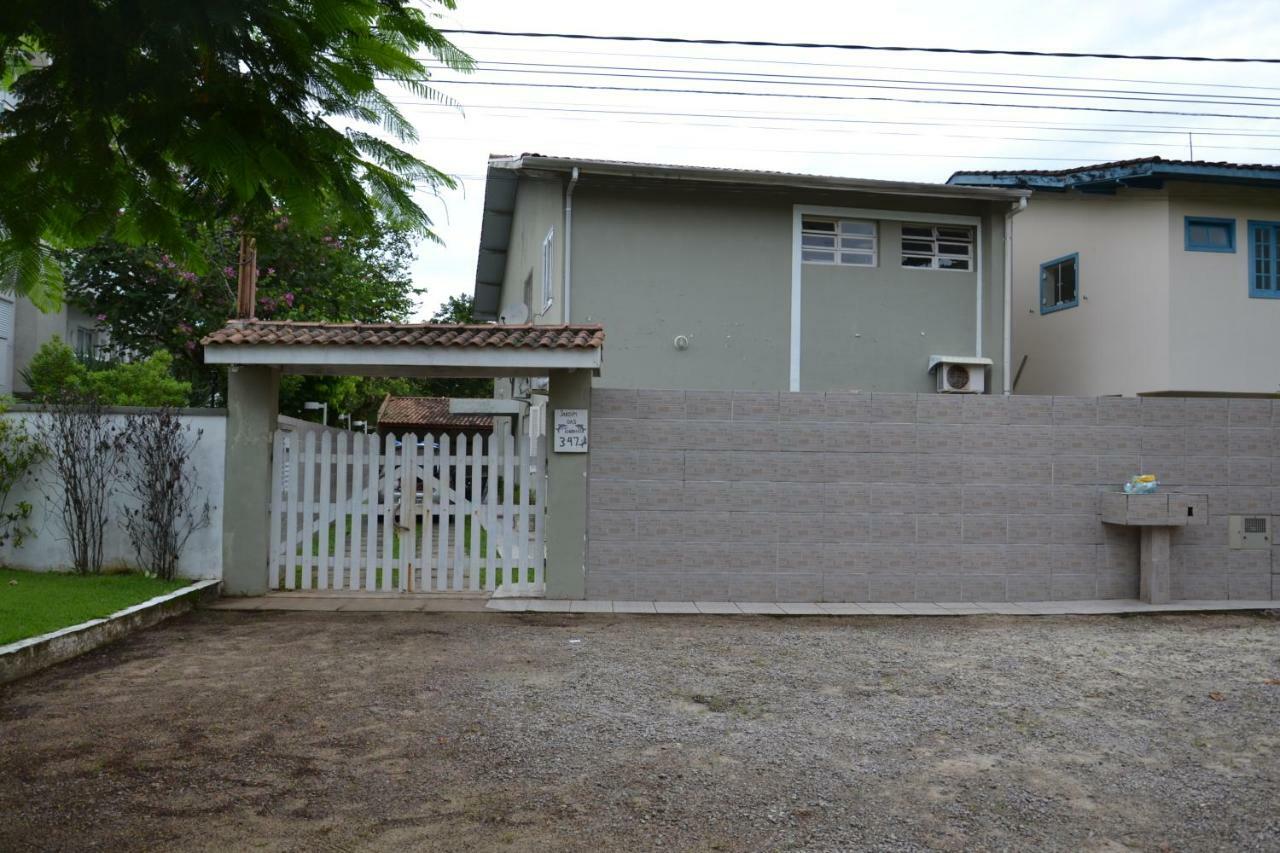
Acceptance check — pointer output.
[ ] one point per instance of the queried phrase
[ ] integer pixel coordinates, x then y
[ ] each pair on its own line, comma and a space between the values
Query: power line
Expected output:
866, 47
925, 121
542, 51
875, 98
889, 83
984, 136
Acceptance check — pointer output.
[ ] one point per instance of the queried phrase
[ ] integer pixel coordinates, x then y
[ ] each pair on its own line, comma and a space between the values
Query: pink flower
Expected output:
191, 346
288, 299
229, 271
271, 270
101, 318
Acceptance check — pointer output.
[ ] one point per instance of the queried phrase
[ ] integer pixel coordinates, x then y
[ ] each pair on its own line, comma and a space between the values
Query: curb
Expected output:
24, 657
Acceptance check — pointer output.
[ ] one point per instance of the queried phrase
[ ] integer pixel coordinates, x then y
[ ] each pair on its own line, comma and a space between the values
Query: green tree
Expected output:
55, 372
148, 117
146, 300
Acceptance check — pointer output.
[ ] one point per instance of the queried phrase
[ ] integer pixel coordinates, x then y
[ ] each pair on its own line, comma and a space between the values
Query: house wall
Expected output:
749, 495
47, 549
32, 328
1117, 340
715, 266
539, 208
1222, 340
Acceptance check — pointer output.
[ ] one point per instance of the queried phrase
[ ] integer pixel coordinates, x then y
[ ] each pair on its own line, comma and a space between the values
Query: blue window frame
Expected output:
1209, 234
1264, 260
1060, 283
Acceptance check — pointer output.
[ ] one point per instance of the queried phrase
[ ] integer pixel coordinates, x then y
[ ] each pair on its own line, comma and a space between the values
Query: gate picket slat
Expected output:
324, 472
340, 512
473, 504
371, 514
277, 496
308, 482
442, 516
291, 513
491, 513
428, 508
388, 511
405, 532
508, 508
522, 535
457, 493
356, 514
538, 555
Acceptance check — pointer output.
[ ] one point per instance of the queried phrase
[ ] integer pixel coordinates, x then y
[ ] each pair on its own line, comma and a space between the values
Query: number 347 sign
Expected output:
570, 431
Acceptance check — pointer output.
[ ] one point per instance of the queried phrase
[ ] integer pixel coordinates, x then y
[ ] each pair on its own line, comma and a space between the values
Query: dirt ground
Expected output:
297, 731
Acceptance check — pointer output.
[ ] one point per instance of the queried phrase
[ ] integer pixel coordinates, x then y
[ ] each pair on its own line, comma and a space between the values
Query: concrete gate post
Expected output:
566, 512
253, 406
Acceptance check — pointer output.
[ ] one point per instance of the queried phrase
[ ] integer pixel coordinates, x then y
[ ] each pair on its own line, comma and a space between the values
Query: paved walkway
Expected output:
401, 602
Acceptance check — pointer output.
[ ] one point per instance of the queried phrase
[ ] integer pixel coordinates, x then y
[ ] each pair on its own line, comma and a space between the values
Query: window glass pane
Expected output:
821, 241
917, 231
1218, 236
818, 256
849, 226
954, 233
914, 261
917, 246
825, 225
1067, 282
862, 260
953, 263
953, 249
857, 243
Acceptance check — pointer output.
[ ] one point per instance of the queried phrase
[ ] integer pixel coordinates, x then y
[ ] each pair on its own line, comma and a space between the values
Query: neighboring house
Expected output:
24, 328
422, 415
731, 279
1146, 276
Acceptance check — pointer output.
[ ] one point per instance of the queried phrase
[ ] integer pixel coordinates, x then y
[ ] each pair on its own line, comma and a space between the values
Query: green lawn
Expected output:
34, 603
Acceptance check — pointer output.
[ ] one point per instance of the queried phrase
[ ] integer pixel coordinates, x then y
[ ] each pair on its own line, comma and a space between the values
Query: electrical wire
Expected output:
861, 47
870, 98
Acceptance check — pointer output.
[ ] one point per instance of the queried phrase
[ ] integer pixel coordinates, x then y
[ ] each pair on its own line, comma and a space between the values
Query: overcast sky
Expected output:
839, 137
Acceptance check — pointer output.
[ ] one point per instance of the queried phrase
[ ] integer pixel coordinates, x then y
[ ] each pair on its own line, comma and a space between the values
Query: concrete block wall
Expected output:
765, 496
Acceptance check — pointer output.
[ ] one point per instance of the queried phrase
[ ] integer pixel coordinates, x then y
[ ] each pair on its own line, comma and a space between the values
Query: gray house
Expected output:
715, 278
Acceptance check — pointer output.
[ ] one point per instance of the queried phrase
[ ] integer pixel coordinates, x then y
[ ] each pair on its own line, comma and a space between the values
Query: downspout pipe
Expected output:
1008, 293
568, 243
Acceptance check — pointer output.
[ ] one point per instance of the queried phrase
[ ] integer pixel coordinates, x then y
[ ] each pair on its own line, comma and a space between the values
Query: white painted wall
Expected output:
1221, 339
1117, 340
46, 550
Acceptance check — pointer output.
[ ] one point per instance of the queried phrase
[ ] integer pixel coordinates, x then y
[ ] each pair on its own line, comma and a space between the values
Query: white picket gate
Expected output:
362, 513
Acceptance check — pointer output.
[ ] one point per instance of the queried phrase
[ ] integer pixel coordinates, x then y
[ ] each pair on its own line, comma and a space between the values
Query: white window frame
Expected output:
837, 249
934, 255
799, 211
548, 268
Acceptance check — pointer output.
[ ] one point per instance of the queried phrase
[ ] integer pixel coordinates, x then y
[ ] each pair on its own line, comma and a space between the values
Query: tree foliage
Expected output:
147, 300
148, 116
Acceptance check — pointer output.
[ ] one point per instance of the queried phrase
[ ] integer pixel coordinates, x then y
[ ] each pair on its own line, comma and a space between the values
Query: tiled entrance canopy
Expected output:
588, 336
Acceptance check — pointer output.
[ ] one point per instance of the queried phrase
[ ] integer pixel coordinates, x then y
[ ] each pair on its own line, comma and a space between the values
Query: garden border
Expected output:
24, 657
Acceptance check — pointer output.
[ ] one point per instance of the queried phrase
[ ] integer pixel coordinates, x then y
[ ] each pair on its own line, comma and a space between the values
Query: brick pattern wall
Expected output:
761, 496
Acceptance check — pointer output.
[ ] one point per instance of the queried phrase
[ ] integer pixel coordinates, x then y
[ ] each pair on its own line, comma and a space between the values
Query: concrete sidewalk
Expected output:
405, 602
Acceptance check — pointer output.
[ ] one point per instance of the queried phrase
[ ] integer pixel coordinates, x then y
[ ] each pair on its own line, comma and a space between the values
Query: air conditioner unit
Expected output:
960, 374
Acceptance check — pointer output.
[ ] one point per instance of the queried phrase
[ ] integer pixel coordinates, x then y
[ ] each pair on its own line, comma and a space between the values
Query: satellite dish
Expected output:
516, 315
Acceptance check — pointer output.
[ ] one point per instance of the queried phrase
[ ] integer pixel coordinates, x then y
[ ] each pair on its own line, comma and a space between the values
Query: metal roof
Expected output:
1141, 172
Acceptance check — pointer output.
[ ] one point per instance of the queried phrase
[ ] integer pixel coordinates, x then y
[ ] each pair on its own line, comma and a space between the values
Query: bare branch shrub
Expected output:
85, 448
20, 451
159, 476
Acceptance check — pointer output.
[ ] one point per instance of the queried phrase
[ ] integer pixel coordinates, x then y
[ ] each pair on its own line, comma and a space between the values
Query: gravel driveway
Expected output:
300, 731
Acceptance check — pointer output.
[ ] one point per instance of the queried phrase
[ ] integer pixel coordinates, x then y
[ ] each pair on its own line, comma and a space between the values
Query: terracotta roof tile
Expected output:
585, 336
430, 412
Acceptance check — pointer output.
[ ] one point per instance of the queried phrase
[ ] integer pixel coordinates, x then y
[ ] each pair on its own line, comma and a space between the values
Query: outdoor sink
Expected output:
1154, 515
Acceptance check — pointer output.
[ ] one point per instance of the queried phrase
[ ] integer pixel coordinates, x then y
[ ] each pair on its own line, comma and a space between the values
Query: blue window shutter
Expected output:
1264, 260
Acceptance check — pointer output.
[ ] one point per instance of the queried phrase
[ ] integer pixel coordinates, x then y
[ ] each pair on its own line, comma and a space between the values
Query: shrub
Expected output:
19, 453
55, 371
85, 449
159, 476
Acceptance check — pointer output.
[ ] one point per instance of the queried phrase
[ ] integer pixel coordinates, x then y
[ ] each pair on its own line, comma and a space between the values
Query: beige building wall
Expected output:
1222, 339
1117, 340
